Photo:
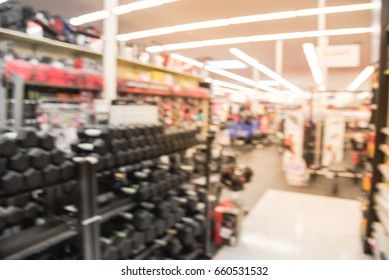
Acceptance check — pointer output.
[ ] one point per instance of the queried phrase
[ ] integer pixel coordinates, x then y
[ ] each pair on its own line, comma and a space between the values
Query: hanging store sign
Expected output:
339, 56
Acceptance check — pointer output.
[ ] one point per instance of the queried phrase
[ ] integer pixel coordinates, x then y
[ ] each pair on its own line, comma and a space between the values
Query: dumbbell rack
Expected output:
107, 212
85, 225
56, 229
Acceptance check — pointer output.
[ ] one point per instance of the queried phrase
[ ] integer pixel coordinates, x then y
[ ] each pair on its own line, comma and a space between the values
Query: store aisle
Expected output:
288, 225
268, 174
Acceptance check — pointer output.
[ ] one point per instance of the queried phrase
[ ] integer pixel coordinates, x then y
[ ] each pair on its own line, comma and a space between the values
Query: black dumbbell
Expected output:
108, 250
30, 210
100, 164
14, 215
185, 234
150, 233
96, 146
39, 158
3, 218
160, 226
95, 132
11, 182
122, 243
46, 141
3, 165
7, 146
32, 178
161, 209
27, 137
115, 146
141, 192
140, 219
51, 174
121, 158
67, 170
170, 245
19, 161
195, 225
57, 157
110, 161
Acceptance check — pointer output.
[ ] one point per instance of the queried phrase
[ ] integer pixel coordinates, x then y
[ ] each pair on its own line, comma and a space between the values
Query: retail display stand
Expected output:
375, 236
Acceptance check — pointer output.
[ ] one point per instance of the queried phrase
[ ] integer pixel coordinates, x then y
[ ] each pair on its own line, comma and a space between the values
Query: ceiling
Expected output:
294, 66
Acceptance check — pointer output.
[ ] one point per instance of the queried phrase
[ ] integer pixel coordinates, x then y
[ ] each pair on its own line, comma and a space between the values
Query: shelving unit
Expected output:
377, 226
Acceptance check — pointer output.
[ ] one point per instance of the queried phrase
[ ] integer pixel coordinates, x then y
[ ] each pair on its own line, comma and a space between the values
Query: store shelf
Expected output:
156, 68
382, 212
385, 149
7, 34
116, 207
34, 240
381, 241
384, 169
385, 130
384, 190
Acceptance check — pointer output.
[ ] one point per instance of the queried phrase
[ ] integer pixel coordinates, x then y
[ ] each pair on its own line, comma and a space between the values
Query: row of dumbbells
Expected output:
164, 224
124, 146
144, 182
29, 160
18, 212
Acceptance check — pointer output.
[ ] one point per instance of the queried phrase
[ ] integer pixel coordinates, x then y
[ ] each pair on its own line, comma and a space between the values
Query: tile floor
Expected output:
288, 225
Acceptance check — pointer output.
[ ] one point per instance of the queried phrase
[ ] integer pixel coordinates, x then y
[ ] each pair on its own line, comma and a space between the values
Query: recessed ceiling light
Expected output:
227, 64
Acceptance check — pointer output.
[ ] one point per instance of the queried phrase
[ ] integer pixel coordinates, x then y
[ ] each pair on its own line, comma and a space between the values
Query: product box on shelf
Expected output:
228, 220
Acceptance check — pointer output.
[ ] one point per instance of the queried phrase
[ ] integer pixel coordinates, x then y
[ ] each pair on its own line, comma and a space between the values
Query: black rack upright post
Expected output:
209, 141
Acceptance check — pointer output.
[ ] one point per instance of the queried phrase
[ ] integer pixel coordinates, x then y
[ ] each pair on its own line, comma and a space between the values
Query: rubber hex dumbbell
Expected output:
140, 219
150, 233
110, 161
114, 146
67, 170
27, 137
7, 146
95, 132
3, 218
185, 234
46, 141
108, 250
39, 158
98, 146
122, 243
19, 161
3, 165
51, 174
32, 178
14, 215
100, 164
30, 210
57, 157
121, 158
170, 245
195, 225
11, 182
160, 226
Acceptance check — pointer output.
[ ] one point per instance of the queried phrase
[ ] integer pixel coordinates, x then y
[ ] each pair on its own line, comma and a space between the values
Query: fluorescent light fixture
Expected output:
231, 86
238, 78
227, 64
366, 73
187, 60
139, 5
119, 10
258, 38
262, 68
313, 62
76, 21
3, 1
244, 19
224, 73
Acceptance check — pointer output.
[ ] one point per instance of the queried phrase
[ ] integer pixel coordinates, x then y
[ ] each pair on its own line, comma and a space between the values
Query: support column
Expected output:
279, 56
322, 42
110, 30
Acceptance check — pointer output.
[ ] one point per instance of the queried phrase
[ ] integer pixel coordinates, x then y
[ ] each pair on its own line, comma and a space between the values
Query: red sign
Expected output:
47, 75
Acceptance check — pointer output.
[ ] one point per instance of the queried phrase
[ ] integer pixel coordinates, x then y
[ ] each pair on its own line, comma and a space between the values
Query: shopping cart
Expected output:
245, 131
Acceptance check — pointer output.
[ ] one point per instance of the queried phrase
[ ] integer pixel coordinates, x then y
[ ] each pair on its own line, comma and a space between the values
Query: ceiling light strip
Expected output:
243, 20
265, 70
258, 38
313, 62
119, 10
361, 78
